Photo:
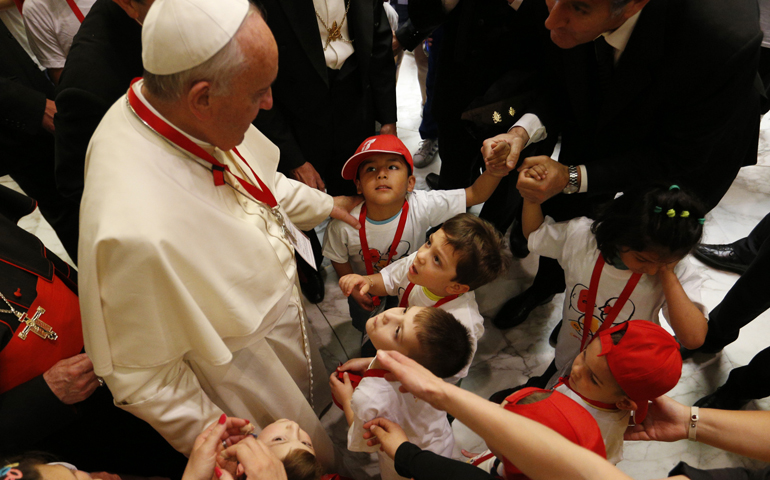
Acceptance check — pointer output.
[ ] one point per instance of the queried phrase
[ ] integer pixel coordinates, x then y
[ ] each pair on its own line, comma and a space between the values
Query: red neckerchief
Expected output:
365, 243
175, 137
594, 403
404, 303
76, 10
591, 301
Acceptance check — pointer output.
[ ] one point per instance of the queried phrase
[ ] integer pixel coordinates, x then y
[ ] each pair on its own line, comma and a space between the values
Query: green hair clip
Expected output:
657, 209
671, 213
701, 221
684, 214
674, 187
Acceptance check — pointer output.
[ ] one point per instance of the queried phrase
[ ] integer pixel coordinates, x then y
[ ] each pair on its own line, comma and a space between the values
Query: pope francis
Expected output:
188, 280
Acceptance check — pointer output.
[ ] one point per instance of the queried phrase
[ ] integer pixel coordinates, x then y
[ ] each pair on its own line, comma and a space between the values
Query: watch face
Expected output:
570, 188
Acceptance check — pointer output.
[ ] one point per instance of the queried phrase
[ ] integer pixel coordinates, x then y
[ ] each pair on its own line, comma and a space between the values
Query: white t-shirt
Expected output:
425, 426
574, 246
51, 25
464, 308
612, 423
13, 21
426, 209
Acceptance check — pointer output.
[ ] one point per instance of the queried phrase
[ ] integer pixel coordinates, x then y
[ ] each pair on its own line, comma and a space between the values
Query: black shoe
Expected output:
519, 247
721, 257
723, 400
517, 309
311, 282
432, 179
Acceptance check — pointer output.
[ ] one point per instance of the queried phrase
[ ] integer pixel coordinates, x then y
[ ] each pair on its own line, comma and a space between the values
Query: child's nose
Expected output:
382, 173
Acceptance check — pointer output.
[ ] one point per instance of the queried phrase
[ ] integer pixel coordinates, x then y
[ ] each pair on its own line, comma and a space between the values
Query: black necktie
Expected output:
605, 59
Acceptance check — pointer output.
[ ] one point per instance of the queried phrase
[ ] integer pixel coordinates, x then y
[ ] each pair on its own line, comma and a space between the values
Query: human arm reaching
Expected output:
536, 450
497, 167
371, 284
743, 432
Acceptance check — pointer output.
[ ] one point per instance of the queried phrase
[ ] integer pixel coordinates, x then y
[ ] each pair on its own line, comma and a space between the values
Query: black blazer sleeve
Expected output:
78, 114
412, 462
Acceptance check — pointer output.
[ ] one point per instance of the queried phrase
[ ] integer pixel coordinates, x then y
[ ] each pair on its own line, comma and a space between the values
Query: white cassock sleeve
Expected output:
305, 206
168, 397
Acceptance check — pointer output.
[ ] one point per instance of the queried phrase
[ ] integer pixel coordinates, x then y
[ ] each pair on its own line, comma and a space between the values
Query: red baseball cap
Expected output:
561, 414
646, 362
373, 146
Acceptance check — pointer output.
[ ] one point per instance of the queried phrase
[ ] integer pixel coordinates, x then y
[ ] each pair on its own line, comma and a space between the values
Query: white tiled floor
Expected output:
508, 358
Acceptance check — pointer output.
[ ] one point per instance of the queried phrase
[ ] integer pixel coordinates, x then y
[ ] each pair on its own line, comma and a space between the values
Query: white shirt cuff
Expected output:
583, 179
534, 127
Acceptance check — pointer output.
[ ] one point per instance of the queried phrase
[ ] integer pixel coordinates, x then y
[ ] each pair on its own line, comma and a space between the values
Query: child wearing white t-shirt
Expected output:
464, 254
628, 263
394, 218
430, 336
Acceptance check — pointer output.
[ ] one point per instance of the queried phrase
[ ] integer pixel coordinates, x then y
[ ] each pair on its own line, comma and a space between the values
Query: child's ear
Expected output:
358, 186
626, 404
410, 183
457, 288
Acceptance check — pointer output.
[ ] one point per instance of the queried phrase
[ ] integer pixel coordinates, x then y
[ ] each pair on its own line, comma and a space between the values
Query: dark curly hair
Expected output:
662, 219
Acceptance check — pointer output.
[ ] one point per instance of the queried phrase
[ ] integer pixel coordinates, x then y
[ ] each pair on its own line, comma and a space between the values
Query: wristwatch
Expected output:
573, 186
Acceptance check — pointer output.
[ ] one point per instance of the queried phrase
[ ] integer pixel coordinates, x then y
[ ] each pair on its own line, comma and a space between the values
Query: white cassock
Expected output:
188, 290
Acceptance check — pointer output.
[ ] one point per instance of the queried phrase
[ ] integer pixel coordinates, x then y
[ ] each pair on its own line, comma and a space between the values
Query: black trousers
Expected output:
744, 302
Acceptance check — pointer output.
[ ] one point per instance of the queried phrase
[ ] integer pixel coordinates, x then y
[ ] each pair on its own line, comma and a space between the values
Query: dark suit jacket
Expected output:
681, 108
106, 55
310, 121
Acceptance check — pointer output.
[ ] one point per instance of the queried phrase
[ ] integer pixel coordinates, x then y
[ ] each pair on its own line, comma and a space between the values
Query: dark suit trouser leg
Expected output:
747, 248
457, 149
751, 381
428, 125
746, 300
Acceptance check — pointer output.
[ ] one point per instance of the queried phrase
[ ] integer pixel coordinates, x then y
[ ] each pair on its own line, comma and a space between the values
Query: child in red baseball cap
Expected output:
394, 217
622, 369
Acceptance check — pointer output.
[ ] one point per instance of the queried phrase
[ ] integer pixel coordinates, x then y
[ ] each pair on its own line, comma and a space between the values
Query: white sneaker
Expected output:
426, 153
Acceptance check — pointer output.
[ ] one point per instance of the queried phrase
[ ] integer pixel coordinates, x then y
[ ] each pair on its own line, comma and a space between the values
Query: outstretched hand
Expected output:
414, 378
353, 281
666, 421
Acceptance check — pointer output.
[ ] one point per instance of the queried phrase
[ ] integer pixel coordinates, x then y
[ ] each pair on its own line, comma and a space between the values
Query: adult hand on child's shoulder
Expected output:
343, 206
388, 434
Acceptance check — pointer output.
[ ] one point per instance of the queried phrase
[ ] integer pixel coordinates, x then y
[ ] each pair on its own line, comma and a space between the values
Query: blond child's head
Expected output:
430, 336
464, 254
294, 448
627, 366
382, 170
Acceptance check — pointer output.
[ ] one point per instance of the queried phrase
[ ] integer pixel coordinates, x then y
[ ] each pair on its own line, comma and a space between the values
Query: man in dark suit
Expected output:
324, 106
26, 125
321, 114
666, 93
106, 54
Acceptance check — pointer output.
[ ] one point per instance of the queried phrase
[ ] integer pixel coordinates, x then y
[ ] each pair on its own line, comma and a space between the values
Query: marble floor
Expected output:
508, 358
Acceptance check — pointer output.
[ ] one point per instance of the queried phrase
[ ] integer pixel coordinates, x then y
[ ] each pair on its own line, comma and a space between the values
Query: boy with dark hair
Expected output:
431, 337
464, 254
618, 373
394, 218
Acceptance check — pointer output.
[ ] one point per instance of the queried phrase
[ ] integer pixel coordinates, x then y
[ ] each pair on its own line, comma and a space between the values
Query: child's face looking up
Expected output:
435, 266
592, 378
648, 262
384, 179
283, 436
394, 329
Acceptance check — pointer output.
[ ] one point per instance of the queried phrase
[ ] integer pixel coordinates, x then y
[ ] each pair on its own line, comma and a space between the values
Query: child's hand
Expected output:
364, 301
353, 281
342, 391
536, 172
355, 365
388, 434
496, 162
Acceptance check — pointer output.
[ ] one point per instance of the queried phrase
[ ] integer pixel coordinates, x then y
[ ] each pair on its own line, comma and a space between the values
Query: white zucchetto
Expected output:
181, 34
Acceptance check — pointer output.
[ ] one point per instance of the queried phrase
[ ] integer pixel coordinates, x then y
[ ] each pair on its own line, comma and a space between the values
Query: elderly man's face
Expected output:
250, 90
574, 22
